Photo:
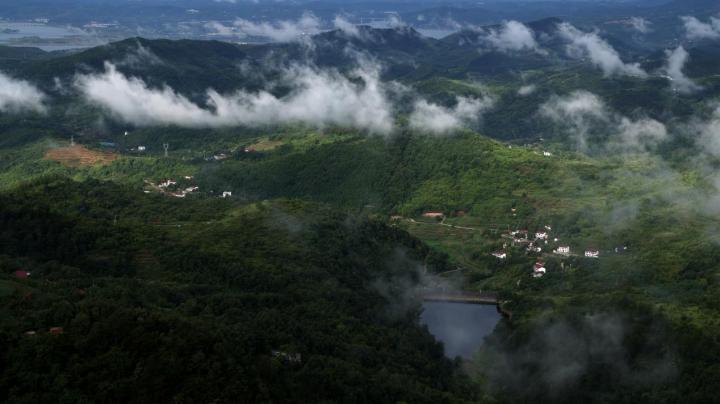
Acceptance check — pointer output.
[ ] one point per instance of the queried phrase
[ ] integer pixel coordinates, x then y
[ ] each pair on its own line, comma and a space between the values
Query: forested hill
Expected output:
460, 65
140, 298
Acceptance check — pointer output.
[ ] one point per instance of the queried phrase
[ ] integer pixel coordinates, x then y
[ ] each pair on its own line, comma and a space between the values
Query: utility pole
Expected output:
72, 140
166, 146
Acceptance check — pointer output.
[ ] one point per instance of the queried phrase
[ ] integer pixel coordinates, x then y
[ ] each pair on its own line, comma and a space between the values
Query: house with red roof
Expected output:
433, 214
539, 270
21, 274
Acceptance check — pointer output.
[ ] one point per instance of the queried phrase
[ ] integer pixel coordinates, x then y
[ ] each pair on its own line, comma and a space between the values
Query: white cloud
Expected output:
640, 135
319, 98
394, 21
433, 118
19, 95
575, 106
709, 133
218, 28
345, 26
640, 24
696, 29
526, 90
512, 36
600, 53
583, 113
140, 57
676, 60
280, 31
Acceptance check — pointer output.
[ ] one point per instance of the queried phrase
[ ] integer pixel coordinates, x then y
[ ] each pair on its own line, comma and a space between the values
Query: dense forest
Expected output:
136, 298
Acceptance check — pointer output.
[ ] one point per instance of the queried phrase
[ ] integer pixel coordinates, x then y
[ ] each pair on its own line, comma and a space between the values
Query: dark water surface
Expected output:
460, 326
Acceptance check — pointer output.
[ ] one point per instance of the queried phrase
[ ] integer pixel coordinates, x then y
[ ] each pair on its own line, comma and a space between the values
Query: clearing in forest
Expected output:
80, 156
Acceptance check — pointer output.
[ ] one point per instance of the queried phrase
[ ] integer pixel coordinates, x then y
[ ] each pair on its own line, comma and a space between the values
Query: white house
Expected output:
547, 154
592, 253
141, 148
500, 255
541, 235
167, 183
226, 194
563, 249
539, 270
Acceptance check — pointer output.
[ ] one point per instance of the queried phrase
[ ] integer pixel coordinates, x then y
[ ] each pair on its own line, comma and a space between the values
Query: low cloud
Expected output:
318, 98
676, 60
584, 115
218, 28
279, 31
601, 54
394, 21
640, 25
708, 133
140, 57
512, 36
696, 29
557, 355
346, 26
640, 135
19, 95
437, 119
526, 90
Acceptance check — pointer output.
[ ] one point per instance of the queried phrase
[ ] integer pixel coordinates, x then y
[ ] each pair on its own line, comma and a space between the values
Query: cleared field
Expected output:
80, 156
265, 145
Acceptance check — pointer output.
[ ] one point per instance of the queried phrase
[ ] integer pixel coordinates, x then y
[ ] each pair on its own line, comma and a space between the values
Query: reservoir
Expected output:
461, 327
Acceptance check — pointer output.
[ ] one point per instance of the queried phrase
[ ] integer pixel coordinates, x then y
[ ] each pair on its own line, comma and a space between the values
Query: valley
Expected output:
308, 220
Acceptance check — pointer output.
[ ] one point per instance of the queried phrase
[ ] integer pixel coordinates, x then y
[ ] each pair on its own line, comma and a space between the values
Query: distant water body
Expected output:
46, 37
436, 33
460, 327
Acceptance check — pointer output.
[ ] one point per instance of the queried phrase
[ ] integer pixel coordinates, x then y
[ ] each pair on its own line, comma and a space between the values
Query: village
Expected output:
542, 243
178, 188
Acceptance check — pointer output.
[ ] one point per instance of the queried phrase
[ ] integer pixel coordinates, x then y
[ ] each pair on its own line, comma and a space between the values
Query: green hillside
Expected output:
280, 262
161, 299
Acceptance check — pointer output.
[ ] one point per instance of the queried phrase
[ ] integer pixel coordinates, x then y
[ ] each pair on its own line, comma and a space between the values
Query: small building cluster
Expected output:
170, 187
287, 357
434, 215
167, 184
500, 255
539, 270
